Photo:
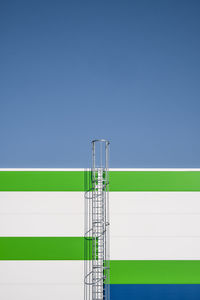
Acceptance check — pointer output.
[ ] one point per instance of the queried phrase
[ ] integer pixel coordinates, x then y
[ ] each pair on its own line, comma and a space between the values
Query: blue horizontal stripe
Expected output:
155, 291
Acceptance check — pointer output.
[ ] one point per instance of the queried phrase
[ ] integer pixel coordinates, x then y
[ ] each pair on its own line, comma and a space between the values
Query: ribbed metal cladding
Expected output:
97, 269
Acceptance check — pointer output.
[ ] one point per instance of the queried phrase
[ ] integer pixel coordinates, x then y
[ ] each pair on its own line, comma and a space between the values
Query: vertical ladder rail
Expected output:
97, 270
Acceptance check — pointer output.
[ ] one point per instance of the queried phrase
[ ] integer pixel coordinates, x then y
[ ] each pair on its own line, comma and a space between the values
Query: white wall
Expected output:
144, 225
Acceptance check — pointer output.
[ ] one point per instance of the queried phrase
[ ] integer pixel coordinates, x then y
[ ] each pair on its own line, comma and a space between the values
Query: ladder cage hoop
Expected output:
97, 268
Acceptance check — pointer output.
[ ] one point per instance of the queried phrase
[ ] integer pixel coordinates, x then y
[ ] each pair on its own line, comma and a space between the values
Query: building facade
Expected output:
154, 234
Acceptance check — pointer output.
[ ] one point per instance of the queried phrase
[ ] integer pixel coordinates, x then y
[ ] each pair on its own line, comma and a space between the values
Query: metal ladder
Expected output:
98, 230
97, 269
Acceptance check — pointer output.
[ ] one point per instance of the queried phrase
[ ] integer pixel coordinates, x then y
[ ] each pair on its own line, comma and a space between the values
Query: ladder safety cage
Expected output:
97, 256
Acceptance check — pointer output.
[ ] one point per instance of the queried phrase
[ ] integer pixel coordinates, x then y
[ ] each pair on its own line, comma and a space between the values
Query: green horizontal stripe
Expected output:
41, 248
42, 181
119, 181
155, 272
155, 181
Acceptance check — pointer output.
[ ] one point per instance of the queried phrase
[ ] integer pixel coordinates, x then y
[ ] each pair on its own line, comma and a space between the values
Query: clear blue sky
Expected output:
72, 71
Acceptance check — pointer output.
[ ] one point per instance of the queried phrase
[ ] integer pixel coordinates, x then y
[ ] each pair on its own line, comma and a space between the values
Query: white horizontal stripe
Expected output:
131, 213
41, 280
155, 225
42, 202
41, 213
148, 248
41, 292
42, 225
68, 272
154, 202
120, 202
